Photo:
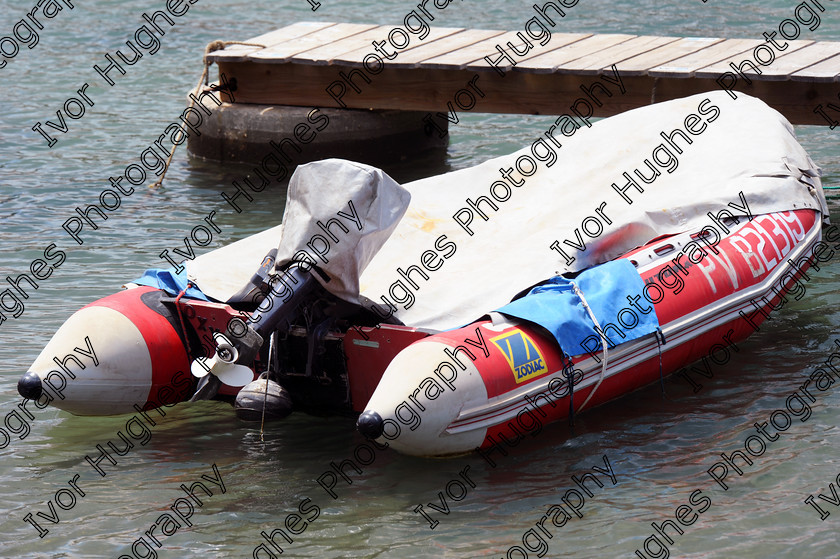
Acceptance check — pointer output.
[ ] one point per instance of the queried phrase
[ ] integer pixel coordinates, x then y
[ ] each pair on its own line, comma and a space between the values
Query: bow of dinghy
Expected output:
117, 354
572, 344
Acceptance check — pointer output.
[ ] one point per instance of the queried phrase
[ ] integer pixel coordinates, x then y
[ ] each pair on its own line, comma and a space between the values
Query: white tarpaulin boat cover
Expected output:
473, 239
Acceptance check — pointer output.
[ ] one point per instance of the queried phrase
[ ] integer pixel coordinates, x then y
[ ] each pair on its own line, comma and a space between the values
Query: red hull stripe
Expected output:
165, 346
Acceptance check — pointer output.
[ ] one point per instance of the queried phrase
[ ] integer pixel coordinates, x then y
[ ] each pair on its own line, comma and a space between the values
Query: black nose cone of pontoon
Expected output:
29, 386
370, 425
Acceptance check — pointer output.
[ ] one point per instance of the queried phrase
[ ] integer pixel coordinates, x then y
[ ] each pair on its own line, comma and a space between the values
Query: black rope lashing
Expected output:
658, 334
568, 371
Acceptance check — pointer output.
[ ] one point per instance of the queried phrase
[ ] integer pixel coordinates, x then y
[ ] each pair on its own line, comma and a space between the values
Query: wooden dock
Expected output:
304, 63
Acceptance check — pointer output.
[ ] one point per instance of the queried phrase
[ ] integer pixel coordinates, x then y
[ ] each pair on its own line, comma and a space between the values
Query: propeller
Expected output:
223, 364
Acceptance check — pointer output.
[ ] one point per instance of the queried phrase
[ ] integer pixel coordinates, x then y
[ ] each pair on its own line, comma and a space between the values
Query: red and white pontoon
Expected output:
466, 309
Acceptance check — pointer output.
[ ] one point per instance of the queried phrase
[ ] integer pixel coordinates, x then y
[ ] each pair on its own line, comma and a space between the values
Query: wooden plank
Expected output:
685, 66
825, 71
558, 40
594, 63
517, 92
419, 89
479, 50
777, 71
285, 51
458, 60
355, 58
808, 56
457, 42
238, 53
795, 100
540, 50
326, 54
554, 60
640, 65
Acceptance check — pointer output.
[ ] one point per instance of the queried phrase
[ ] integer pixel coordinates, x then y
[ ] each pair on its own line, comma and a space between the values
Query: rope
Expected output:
181, 319
213, 46
267, 374
568, 370
579, 293
659, 334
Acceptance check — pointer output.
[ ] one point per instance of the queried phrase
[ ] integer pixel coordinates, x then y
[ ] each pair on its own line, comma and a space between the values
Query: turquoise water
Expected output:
659, 448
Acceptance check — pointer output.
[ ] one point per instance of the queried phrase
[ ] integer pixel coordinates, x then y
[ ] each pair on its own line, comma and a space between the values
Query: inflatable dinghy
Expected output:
463, 310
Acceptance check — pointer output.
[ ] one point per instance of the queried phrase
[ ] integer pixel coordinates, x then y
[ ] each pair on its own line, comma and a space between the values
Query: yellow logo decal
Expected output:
522, 355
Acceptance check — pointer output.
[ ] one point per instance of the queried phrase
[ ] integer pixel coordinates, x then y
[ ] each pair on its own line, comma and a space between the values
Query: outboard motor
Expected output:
338, 216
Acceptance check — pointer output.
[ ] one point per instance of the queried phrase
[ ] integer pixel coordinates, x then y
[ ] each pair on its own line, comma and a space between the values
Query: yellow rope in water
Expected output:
262, 419
211, 47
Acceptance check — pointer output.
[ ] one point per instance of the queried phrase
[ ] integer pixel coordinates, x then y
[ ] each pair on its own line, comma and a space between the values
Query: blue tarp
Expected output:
614, 292
170, 281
